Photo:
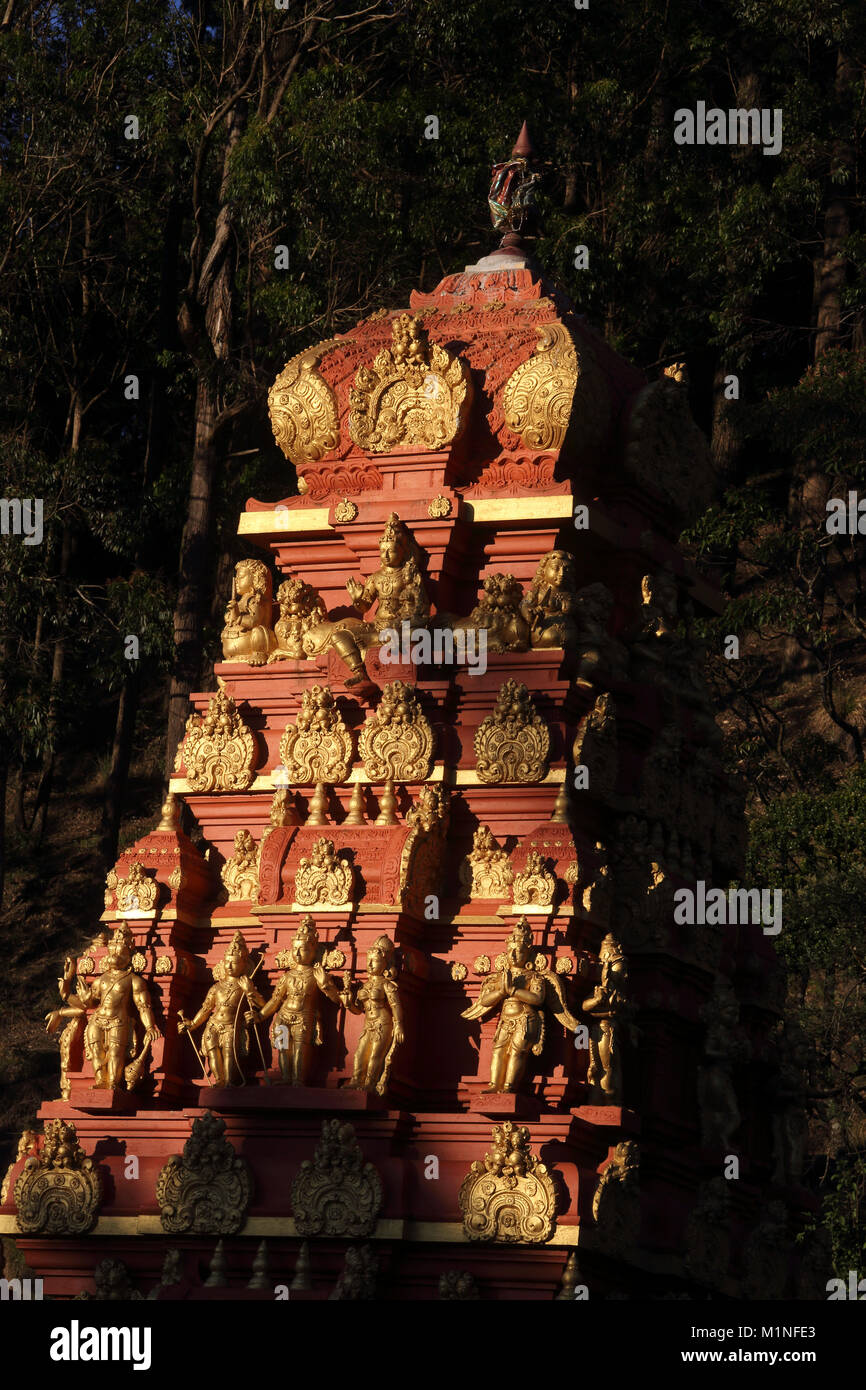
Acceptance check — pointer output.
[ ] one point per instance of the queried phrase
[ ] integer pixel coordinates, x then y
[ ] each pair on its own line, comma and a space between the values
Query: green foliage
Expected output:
822, 416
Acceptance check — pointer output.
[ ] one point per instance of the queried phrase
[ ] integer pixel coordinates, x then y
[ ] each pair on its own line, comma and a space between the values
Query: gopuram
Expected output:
412, 1014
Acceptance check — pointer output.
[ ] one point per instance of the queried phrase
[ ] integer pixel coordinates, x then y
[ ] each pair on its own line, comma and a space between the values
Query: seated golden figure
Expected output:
500, 615
248, 633
301, 608
549, 606
398, 591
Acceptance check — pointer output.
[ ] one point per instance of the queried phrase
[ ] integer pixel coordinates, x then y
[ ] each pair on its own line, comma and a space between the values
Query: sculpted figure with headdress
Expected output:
295, 1001
606, 1006
248, 635
120, 998
500, 615
225, 1040
378, 1000
301, 608
551, 602
396, 589
523, 992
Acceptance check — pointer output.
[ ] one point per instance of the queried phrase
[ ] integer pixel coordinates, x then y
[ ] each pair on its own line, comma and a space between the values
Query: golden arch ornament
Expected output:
219, 750
318, 747
415, 396
508, 1196
512, 743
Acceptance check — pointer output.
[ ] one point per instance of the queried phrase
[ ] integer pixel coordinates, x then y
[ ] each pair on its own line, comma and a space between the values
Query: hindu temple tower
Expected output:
444, 1037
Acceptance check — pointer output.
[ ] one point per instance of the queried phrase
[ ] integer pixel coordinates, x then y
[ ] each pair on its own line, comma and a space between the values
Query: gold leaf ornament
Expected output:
397, 743
318, 747
508, 1196
303, 407
415, 395
345, 511
207, 1189
336, 1192
512, 743
538, 396
219, 750
136, 893
59, 1191
533, 886
325, 879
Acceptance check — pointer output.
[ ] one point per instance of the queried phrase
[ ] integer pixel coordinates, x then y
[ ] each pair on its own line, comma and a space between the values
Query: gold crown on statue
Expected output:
306, 932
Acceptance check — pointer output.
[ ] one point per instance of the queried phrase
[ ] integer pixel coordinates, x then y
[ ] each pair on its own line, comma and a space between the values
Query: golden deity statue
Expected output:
486, 871
300, 608
225, 1040
500, 615
606, 1005
119, 995
295, 1004
397, 589
379, 1001
550, 603
248, 635
524, 993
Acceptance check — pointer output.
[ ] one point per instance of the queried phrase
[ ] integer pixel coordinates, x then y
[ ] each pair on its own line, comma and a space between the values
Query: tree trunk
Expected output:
4, 773
829, 270
830, 266
189, 612
46, 780
212, 281
118, 772
725, 437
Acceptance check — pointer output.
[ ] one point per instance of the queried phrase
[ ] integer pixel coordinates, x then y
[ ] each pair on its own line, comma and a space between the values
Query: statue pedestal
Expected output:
111, 1102
505, 1105
608, 1117
281, 1097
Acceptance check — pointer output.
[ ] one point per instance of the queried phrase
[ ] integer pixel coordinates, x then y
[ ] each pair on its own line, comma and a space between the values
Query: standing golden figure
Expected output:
379, 1001
397, 589
295, 1002
606, 1006
524, 992
224, 1042
119, 996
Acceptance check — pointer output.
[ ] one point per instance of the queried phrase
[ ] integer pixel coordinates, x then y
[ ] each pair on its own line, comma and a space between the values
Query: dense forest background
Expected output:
304, 127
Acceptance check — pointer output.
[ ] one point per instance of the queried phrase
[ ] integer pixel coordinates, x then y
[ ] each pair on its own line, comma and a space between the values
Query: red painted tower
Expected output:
446, 808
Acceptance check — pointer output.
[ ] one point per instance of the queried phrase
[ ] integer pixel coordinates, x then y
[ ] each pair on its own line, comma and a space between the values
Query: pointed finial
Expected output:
217, 1277
561, 811
259, 1279
523, 148
302, 1279
512, 194
169, 815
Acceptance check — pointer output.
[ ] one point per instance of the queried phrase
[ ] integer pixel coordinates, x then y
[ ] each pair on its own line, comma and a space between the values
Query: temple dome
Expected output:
495, 369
